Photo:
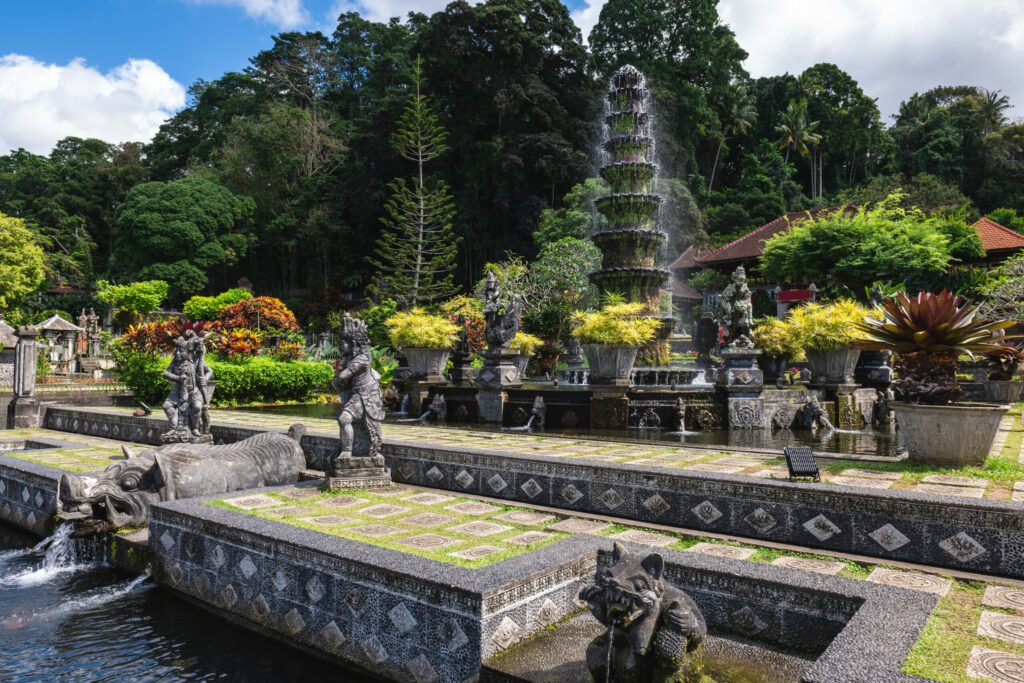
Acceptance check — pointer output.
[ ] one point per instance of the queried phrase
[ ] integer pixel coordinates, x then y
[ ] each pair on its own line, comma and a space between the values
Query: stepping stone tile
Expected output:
862, 482
382, 510
926, 583
1018, 486
1005, 597
429, 542
682, 457
809, 565
741, 462
718, 550
329, 520
393, 491
480, 528
427, 499
477, 552
299, 494
525, 517
950, 490
472, 507
427, 519
375, 530
1007, 627
712, 467
289, 511
529, 538
252, 502
574, 525
1017, 496
871, 474
992, 665
645, 537
343, 501
944, 480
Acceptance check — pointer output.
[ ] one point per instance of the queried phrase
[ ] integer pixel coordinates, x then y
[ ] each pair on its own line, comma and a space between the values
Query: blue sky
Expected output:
115, 69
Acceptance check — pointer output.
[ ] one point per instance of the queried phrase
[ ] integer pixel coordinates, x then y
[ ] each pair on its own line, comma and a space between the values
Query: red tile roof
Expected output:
681, 290
996, 237
750, 246
688, 259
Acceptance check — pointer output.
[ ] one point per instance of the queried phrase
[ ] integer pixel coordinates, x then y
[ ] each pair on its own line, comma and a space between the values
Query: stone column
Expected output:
498, 374
24, 410
742, 382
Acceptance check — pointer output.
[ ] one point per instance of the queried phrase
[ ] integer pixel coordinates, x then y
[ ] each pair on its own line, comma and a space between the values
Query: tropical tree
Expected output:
794, 132
21, 261
416, 252
738, 116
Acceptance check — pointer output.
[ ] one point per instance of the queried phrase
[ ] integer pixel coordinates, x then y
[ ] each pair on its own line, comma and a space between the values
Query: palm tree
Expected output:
794, 131
738, 117
991, 107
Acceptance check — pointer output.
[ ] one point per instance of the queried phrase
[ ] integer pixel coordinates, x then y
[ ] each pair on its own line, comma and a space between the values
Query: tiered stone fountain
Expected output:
630, 240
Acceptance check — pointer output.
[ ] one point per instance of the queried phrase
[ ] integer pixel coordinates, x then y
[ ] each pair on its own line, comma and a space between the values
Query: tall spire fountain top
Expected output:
630, 239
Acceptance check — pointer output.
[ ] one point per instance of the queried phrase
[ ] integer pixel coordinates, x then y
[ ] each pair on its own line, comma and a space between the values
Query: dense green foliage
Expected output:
253, 380
209, 307
283, 171
855, 248
178, 231
21, 261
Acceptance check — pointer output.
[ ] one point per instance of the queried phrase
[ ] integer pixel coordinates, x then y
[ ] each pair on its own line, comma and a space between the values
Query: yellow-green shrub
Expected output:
827, 327
776, 338
525, 343
616, 324
417, 329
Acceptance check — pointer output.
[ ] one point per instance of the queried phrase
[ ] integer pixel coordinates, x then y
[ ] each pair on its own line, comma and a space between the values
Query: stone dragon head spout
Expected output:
119, 496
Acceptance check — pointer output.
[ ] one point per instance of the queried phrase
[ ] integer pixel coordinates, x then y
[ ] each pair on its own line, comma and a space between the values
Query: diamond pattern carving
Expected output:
656, 505
962, 547
421, 669
889, 537
612, 499
315, 589
247, 566
821, 527
451, 635
374, 650
506, 633
706, 512
761, 520
435, 474
294, 622
571, 494
332, 637
402, 618
167, 541
228, 596
464, 479
497, 484
217, 557
280, 580
531, 488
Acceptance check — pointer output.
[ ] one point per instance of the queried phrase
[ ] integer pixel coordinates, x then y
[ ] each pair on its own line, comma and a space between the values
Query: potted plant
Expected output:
776, 339
830, 336
1003, 383
928, 333
611, 338
425, 340
525, 344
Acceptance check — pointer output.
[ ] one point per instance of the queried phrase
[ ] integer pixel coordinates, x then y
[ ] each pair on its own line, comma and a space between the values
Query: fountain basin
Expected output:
635, 284
629, 210
624, 148
630, 248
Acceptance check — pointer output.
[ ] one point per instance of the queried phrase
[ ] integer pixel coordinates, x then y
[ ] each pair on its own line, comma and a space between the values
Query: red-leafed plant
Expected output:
240, 343
259, 313
159, 336
928, 333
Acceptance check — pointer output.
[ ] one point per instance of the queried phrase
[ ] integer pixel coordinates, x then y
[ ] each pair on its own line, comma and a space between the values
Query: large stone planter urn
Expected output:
427, 364
948, 436
999, 391
833, 367
610, 365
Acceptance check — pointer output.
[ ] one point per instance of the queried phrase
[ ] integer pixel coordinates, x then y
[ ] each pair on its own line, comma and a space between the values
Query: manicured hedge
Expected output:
255, 380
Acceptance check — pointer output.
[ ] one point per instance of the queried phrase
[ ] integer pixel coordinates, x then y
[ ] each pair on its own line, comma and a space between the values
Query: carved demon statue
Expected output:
188, 405
736, 311
501, 315
123, 493
359, 386
654, 630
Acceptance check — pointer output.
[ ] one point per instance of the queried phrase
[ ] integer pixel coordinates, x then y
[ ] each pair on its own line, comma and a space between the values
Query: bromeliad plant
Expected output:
1006, 365
928, 333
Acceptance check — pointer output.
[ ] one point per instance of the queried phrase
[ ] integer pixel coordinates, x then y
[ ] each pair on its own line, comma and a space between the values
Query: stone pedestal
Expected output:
419, 393
358, 473
742, 382
609, 407
24, 410
873, 369
498, 374
462, 374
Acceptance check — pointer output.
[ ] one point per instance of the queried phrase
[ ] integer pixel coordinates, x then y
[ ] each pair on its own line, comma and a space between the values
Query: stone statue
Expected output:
501, 316
123, 493
439, 407
679, 412
737, 312
187, 406
654, 630
539, 412
360, 462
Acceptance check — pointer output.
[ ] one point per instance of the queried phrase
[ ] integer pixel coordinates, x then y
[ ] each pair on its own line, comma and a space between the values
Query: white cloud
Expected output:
283, 13
42, 103
893, 48
382, 10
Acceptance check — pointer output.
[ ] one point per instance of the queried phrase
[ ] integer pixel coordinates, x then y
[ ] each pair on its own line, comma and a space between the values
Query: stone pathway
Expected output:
993, 665
927, 583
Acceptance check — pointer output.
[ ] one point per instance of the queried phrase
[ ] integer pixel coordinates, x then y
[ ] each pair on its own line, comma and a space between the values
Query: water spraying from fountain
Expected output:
63, 555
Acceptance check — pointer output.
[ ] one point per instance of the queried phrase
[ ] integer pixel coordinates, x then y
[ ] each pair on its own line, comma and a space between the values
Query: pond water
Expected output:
70, 619
864, 442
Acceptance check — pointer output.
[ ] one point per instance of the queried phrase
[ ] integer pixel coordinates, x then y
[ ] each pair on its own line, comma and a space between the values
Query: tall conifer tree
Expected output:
416, 251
